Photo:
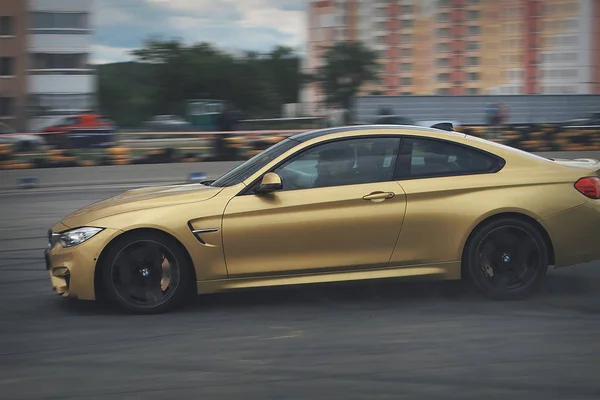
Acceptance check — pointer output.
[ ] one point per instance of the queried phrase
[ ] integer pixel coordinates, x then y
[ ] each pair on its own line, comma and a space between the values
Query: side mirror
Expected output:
271, 182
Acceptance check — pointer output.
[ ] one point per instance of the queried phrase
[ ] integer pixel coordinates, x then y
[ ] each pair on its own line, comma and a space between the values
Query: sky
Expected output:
122, 25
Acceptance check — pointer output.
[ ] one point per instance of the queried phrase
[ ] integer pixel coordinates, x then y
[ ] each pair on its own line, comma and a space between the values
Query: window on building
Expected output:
473, 2
443, 62
472, 91
443, 3
6, 66
406, 52
406, 81
7, 26
406, 38
7, 105
58, 61
443, 77
443, 17
408, 23
406, 67
407, 9
474, 30
473, 76
472, 45
443, 32
443, 47
443, 91
473, 61
57, 20
473, 15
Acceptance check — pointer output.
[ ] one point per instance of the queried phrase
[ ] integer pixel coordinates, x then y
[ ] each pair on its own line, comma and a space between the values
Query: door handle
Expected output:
379, 196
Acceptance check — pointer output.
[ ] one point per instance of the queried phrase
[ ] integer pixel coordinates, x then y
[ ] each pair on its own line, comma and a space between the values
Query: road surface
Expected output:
375, 340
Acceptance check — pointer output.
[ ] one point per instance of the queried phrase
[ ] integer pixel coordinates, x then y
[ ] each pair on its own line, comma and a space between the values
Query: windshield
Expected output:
245, 170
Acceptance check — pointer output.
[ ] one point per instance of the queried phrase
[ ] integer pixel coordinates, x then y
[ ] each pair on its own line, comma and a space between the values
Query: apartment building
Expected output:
13, 62
44, 70
462, 47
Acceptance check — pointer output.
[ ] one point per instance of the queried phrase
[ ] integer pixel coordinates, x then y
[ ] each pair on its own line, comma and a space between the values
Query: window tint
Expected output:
421, 158
346, 162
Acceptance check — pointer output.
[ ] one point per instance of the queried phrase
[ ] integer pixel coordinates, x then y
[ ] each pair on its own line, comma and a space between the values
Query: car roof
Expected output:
393, 129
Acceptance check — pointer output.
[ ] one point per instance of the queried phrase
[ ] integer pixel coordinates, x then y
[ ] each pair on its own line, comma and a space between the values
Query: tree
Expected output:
166, 73
347, 66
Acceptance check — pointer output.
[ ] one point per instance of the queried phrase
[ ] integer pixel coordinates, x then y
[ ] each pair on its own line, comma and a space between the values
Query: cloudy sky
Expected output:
122, 25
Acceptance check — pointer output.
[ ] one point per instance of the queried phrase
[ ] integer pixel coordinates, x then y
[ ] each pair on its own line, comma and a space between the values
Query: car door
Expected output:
319, 222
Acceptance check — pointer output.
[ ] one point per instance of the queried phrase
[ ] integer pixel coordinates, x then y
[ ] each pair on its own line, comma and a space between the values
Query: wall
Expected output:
470, 110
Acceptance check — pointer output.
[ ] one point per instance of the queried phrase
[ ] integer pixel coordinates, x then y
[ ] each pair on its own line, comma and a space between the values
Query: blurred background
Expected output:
101, 96
97, 82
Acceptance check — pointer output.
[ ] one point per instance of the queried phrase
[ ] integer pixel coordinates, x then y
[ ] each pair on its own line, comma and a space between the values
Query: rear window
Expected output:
427, 158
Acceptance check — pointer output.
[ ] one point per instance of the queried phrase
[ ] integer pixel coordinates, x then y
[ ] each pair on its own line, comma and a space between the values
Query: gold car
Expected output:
340, 204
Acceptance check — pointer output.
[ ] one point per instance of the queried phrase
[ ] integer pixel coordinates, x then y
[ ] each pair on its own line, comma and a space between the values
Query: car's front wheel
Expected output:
146, 273
506, 258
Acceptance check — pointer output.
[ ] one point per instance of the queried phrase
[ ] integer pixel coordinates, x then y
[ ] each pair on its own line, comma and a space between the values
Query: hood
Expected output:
141, 199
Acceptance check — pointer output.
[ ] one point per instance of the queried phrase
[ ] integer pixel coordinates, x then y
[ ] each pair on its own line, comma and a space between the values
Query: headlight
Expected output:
77, 236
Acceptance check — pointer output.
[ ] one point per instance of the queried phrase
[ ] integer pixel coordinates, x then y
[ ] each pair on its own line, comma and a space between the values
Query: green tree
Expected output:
347, 66
166, 73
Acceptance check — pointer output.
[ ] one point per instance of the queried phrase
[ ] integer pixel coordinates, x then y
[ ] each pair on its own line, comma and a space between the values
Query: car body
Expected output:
401, 120
590, 121
412, 202
168, 123
81, 131
20, 141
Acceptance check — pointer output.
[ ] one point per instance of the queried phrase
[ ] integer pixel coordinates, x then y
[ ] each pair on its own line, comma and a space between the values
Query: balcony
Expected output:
62, 83
59, 43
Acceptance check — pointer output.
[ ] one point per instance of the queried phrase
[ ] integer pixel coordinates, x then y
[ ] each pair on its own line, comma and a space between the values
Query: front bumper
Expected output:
72, 269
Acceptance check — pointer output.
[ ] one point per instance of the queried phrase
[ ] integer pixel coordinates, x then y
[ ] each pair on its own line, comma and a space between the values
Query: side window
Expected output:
344, 162
423, 158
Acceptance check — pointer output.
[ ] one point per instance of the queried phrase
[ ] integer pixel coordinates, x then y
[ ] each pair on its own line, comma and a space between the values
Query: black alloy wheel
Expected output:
147, 273
506, 259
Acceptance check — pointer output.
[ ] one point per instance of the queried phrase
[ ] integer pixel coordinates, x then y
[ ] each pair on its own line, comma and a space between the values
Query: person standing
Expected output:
226, 122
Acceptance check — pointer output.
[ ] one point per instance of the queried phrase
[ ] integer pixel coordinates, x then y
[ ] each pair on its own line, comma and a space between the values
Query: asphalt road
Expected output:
386, 340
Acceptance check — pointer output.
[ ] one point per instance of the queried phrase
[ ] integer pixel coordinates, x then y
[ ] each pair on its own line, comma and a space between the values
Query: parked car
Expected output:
82, 131
340, 204
167, 123
20, 142
592, 120
402, 120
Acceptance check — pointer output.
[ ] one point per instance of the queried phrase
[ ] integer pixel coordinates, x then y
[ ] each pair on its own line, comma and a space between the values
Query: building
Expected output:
452, 47
44, 69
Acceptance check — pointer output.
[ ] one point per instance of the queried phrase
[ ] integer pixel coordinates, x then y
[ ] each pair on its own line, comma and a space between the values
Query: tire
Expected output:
506, 259
132, 274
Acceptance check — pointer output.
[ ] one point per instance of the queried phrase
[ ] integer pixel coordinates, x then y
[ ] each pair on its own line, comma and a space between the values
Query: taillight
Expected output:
589, 186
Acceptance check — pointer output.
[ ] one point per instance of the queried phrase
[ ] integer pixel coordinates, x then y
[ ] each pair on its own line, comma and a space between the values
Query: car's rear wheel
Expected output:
146, 273
506, 259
